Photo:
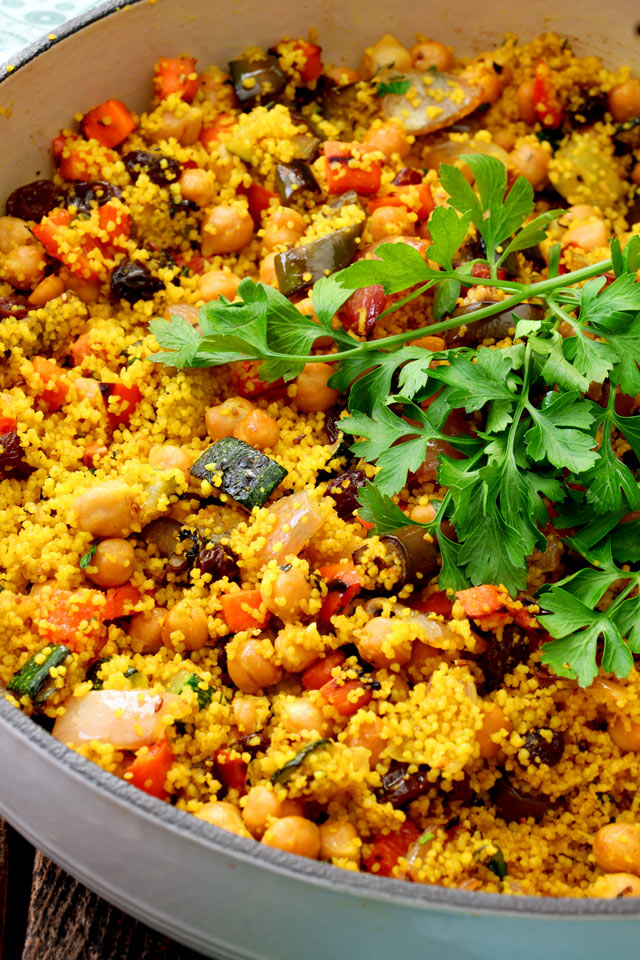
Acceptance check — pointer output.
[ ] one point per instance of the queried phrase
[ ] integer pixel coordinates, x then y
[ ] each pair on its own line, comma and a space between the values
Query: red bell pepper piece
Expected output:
175, 75
246, 382
481, 601
361, 311
52, 234
128, 399
343, 583
320, 672
150, 769
120, 601
340, 695
311, 68
546, 103
346, 170
438, 603
232, 770
387, 849
109, 124
258, 198
7, 424
483, 271
115, 221
244, 610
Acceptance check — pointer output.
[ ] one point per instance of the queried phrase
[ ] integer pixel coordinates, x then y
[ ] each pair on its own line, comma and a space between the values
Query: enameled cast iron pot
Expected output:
222, 894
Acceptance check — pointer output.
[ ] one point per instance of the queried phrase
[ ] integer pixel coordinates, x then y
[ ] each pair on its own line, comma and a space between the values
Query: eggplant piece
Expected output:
399, 787
159, 168
292, 178
451, 96
513, 805
496, 327
418, 556
83, 193
255, 80
301, 266
248, 476
344, 490
166, 534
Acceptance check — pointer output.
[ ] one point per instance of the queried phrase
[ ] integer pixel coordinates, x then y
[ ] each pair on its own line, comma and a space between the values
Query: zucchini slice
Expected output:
31, 679
248, 476
186, 678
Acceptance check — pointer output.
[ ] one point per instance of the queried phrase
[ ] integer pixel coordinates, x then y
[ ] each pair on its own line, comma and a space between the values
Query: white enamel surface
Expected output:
219, 893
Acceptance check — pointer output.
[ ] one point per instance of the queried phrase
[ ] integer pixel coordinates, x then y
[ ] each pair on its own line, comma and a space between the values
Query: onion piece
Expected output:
582, 172
433, 101
298, 518
450, 150
436, 632
127, 719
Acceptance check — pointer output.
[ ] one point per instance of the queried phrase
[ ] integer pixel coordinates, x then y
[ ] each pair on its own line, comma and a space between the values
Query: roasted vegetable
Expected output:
32, 678
291, 178
15, 307
159, 168
451, 96
132, 281
344, 491
513, 805
186, 678
497, 327
285, 772
418, 556
248, 476
165, 534
257, 80
300, 267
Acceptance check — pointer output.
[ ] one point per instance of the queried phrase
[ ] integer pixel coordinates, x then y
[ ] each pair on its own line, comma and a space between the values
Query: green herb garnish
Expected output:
395, 85
497, 864
285, 772
85, 559
425, 837
540, 440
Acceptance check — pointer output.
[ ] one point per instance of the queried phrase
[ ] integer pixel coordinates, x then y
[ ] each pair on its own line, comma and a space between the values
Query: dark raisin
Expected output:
159, 168
181, 206
85, 193
344, 490
331, 418
399, 787
513, 805
12, 462
252, 743
215, 560
502, 656
15, 306
133, 281
542, 750
590, 112
34, 200
407, 176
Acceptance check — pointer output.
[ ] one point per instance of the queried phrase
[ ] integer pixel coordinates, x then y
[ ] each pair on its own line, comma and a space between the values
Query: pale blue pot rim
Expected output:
297, 868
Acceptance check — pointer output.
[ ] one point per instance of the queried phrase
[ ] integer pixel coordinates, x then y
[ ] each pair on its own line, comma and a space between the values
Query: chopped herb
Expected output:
285, 772
426, 837
85, 559
496, 863
396, 85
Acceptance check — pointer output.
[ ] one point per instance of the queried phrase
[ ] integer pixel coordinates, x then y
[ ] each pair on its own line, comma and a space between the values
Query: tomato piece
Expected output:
343, 583
232, 770
320, 672
258, 198
311, 69
120, 601
387, 849
128, 399
150, 769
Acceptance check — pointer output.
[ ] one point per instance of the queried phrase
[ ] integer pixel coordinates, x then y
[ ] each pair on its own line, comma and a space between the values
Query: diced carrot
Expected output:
70, 620
176, 75
343, 583
80, 349
417, 197
347, 171
52, 234
217, 131
115, 221
120, 601
387, 849
242, 610
311, 69
127, 400
93, 452
80, 160
232, 770
319, 672
481, 601
7, 424
341, 695
109, 124
150, 769
55, 389
545, 97
366, 524
258, 198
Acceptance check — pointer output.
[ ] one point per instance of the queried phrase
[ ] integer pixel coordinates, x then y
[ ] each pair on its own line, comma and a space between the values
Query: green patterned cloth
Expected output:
22, 21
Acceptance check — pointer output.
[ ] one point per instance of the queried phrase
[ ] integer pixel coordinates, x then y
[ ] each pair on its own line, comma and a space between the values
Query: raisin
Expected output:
407, 176
159, 168
513, 805
344, 490
542, 750
399, 787
15, 306
12, 462
215, 560
502, 656
133, 281
84, 193
34, 200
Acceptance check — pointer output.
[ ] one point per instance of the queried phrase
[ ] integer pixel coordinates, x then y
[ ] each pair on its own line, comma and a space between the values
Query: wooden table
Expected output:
46, 915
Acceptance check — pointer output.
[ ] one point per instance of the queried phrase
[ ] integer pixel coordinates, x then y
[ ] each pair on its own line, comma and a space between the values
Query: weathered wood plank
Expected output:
68, 922
4, 872
16, 864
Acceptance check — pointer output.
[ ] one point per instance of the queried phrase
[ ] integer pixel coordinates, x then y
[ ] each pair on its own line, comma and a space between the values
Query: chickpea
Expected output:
287, 593
218, 283
261, 805
295, 655
166, 456
378, 645
189, 620
484, 76
294, 835
493, 722
48, 289
387, 222
283, 228
145, 631
225, 816
579, 211
589, 236
300, 714
14, 233
615, 886
625, 734
390, 138
222, 419
250, 669
267, 272
185, 128
387, 52
112, 563
341, 76
339, 840
526, 104
105, 510
624, 100
616, 847
431, 54
197, 185
505, 139
532, 162
424, 660
312, 391
225, 229
24, 266
258, 429
423, 513
245, 714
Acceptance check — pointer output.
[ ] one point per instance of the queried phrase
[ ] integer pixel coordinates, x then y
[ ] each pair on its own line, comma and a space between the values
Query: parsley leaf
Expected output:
396, 85
85, 559
399, 267
559, 433
378, 508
